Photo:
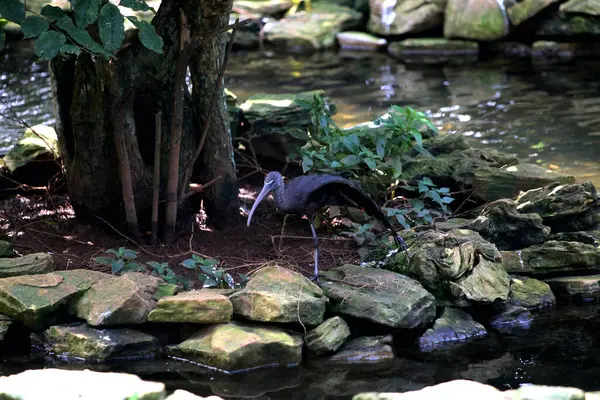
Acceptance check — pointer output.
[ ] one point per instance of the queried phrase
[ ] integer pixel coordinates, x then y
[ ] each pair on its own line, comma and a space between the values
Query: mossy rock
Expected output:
405, 16
564, 24
38, 143
453, 325
481, 20
30, 264
434, 50
590, 7
522, 11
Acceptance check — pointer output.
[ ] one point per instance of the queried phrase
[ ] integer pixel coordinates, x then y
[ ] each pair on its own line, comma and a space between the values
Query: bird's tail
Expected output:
400, 242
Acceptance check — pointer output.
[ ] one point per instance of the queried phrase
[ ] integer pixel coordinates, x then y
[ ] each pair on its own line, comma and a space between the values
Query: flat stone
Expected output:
452, 326
328, 336
38, 142
433, 50
457, 389
66, 384
360, 41
535, 392
522, 11
185, 395
81, 341
511, 320
585, 287
590, 7
366, 350
530, 293
264, 7
30, 264
236, 346
200, 307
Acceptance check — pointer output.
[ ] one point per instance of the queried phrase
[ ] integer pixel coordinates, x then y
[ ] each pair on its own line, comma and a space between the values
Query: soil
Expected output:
46, 223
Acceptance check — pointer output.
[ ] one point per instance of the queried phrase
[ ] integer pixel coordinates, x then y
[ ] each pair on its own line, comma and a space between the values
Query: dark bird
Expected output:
306, 194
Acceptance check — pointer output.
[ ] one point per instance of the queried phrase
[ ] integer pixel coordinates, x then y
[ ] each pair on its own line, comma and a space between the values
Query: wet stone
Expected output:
511, 320
328, 336
530, 293
584, 287
367, 350
453, 325
200, 307
434, 51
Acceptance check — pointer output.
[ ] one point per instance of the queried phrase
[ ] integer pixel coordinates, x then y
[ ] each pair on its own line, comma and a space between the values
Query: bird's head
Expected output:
273, 180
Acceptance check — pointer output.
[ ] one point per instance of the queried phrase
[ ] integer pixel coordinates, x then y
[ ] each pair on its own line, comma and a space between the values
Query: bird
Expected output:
306, 194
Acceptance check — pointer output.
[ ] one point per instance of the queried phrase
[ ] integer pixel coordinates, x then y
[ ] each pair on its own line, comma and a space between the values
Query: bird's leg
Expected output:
316, 241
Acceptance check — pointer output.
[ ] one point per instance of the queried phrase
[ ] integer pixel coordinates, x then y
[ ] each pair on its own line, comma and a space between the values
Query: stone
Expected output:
522, 11
453, 325
125, 299
6, 249
263, 8
5, 325
360, 41
361, 351
511, 49
452, 390
307, 32
590, 7
552, 257
328, 336
236, 346
564, 208
38, 143
511, 320
246, 37
586, 237
500, 223
487, 282
83, 342
30, 264
547, 51
540, 392
277, 294
379, 296
67, 384
482, 20
434, 50
404, 16
585, 287
564, 24
37, 300
180, 394
530, 293
200, 307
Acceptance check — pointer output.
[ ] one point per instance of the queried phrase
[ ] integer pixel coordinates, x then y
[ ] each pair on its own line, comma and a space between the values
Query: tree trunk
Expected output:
83, 108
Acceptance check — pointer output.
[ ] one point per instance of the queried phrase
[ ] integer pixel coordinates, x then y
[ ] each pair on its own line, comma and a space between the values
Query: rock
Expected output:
264, 7
65, 384
360, 41
200, 307
378, 296
328, 336
38, 143
37, 300
405, 16
453, 390
6, 250
589, 7
246, 37
486, 283
539, 392
311, 31
563, 24
434, 51
5, 324
564, 208
453, 325
235, 346
511, 49
587, 237
125, 299
511, 320
482, 20
500, 223
530, 293
276, 294
585, 287
366, 350
185, 395
446, 143
553, 257
545, 51
30, 264
80, 341
522, 11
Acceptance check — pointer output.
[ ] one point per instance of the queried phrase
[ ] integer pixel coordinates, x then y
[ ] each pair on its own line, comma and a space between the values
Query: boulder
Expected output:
262, 8
589, 7
530, 293
482, 20
38, 300
453, 390
553, 257
587, 237
486, 283
66, 384
547, 51
81, 341
180, 394
500, 223
405, 16
585, 287
38, 143
453, 325
277, 294
235, 346
30, 264
434, 51
522, 11
5, 324
360, 41
311, 31
125, 299
564, 208
200, 307
535, 392
361, 351
328, 336
562, 24
511, 319
379, 296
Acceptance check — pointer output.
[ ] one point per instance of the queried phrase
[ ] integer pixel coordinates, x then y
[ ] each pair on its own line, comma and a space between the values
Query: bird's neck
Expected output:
279, 197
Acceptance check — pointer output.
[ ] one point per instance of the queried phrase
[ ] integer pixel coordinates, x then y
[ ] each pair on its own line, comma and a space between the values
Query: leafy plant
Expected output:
211, 275
121, 261
168, 275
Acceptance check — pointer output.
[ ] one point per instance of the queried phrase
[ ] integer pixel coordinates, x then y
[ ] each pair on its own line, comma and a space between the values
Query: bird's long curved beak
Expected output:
263, 193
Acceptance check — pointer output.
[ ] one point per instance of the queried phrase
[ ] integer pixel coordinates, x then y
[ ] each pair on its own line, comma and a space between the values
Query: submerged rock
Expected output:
81, 341
125, 299
378, 296
585, 287
360, 41
328, 336
501, 223
434, 50
65, 384
530, 293
277, 294
522, 11
404, 16
201, 307
30, 264
37, 300
235, 346
453, 325
366, 350
483, 20
589, 7
511, 319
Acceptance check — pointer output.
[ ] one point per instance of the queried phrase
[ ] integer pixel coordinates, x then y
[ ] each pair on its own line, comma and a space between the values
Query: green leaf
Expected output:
352, 143
307, 164
298, 134
137, 5
402, 221
229, 280
380, 146
70, 49
81, 36
128, 253
115, 252
189, 263
209, 262
111, 28
52, 13
148, 35
422, 187
418, 137
396, 165
207, 269
104, 260
86, 11
48, 45
210, 282
371, 163
427, 181
154, 264
117, 266
447, 199
12, 10
350, 160
33, 26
